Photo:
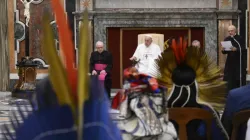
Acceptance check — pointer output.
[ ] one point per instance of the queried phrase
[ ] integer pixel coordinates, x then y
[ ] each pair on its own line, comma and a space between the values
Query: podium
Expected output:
25, 86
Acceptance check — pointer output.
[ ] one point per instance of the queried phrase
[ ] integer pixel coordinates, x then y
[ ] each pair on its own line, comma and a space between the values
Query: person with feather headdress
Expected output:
143, 113
68, 105
194, 81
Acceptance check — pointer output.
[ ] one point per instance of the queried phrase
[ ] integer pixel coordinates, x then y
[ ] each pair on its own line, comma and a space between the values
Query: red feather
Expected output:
66, 44
175, 50
179, 49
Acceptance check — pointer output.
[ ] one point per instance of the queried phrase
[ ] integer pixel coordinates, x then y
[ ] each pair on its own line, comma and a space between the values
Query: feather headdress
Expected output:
70, 106
207, 74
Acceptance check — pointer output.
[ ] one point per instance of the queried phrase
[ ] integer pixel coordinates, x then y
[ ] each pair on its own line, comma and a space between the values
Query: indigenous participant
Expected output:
101, 64
68, 105
142, 108
145, 54
181, 69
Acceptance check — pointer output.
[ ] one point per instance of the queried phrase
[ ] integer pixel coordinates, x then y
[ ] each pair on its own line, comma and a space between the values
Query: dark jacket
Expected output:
232, 66
101, 58
238, 99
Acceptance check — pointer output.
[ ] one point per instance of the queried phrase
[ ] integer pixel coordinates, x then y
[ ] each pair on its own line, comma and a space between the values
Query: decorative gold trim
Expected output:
189, 36
204, 41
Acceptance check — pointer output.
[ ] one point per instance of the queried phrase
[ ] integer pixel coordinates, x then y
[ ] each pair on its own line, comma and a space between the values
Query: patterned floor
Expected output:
8, 106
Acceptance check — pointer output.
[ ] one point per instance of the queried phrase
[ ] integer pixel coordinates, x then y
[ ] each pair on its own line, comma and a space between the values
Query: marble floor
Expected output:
8, 107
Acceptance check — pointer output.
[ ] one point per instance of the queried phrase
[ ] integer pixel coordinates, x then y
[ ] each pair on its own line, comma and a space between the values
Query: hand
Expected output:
94, 72
132, 58
234, 49
103, 72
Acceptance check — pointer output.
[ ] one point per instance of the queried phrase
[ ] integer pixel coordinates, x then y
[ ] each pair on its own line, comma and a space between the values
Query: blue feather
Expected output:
52, 122
97, 122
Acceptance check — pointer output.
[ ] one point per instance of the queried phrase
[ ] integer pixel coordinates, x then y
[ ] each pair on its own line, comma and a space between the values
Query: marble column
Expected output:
91, 46
4, 49
80, 6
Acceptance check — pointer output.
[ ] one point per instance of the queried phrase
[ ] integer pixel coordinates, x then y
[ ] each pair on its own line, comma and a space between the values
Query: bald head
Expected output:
148, 40
196, 43
99, 46
232, 30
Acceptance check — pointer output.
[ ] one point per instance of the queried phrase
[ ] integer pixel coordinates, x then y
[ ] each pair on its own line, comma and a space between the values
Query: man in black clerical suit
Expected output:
101, 64
235, 67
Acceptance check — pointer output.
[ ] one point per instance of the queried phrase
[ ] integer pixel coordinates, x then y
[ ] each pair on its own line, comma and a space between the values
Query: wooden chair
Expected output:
238, 119
184, 115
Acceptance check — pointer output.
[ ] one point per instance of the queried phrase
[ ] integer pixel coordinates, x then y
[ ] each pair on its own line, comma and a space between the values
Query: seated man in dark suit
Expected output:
238, 99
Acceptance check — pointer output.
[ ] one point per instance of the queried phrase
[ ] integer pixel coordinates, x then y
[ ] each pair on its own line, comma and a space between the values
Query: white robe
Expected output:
146, 55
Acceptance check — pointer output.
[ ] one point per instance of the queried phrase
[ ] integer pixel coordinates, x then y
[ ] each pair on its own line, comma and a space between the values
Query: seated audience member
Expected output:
143, 113
237, 100
184, 67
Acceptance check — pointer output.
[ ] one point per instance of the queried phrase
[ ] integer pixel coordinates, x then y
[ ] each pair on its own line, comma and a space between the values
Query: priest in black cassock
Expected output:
101, 63
235, 67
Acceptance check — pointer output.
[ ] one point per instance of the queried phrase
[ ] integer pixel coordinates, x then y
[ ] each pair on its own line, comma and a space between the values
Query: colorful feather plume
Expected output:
57, 72
211, 88
66, 45
83, 68
66, 118
179, 49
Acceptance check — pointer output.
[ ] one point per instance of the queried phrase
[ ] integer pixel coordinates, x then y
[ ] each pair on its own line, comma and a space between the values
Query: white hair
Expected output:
99, 43
232, 27
196, 43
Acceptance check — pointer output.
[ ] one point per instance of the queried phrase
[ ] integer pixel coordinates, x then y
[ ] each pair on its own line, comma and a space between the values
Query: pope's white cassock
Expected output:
146, 56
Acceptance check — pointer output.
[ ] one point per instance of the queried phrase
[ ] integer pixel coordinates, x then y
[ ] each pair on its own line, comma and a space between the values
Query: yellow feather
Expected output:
211, 87
166, 64
83, 68
57, 73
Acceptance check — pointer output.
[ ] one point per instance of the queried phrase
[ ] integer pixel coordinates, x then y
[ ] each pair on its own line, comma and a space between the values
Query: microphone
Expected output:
240, 59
